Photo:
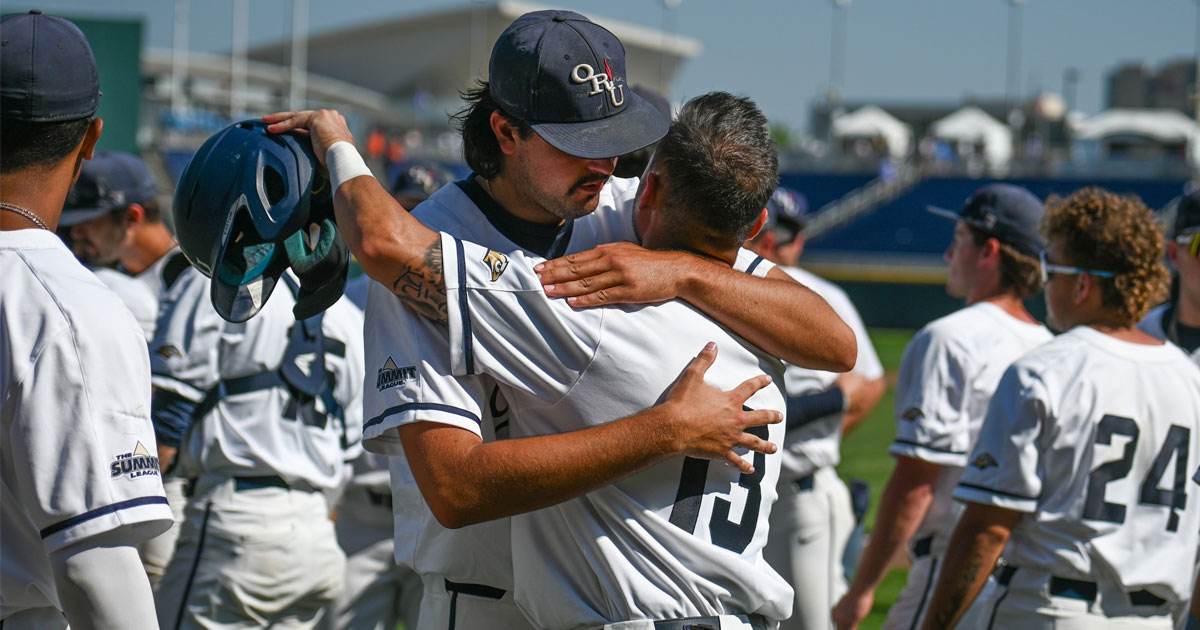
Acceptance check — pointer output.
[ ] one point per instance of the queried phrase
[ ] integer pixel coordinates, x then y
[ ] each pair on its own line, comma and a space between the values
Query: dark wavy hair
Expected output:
481, 151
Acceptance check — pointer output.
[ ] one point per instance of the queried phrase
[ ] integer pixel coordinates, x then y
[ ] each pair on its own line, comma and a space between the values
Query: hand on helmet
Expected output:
324, 126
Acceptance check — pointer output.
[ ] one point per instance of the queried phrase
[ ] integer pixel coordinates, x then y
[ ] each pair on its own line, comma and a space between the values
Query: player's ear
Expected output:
135, 214
651, 188
1085, 284
505, 132
758, 225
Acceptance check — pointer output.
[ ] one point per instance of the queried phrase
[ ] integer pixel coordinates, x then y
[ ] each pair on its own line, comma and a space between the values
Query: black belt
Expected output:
922, 547
758, 622
1080, 589
262, 481
805, 483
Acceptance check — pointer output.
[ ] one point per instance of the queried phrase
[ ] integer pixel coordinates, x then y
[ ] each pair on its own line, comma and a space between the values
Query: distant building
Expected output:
1136, 86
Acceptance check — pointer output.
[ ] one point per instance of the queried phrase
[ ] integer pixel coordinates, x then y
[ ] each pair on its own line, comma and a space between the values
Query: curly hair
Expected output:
1018, 271
1118, 233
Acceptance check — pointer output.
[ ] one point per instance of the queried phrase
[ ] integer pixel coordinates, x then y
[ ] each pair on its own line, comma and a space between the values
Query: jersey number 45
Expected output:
1175, 447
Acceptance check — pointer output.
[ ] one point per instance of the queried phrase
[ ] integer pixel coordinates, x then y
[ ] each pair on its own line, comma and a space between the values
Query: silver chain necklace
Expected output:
25, 213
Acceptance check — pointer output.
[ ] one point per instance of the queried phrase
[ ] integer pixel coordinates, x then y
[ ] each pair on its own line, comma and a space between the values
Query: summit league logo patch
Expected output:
603, 82
391, 375
496, 262
138, 463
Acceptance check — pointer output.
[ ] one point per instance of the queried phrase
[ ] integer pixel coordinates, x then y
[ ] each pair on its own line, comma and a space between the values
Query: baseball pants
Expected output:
251, 554
809, 527
1026, 600
909, 610
377, 591
156, 553
448, 605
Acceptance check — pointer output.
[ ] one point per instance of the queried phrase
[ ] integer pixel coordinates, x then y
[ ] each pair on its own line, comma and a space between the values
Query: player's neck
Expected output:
39, 191
1011, 303
151, 242
513, 202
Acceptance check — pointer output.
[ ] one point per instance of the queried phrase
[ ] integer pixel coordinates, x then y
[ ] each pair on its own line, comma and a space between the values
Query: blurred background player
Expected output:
260, 398
80, 483
1081, 474
813, 519
113, 222
378, 591
1178, 320
947, 377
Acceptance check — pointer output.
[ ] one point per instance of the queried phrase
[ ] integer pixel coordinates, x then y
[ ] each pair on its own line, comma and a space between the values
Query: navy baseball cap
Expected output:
1008, 213
107, 182
1187, 214
564, 75
47, 71
787, 209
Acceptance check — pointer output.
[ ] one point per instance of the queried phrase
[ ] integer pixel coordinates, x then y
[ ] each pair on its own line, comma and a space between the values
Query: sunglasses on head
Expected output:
1048, 268
1190, 240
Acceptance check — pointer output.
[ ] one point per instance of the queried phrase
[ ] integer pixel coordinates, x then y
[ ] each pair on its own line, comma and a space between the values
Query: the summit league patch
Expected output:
391, 375
985, 461
138, 463
497, 262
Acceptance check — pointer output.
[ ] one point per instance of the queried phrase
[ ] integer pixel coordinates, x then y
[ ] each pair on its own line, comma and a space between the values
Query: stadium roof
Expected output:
437, 54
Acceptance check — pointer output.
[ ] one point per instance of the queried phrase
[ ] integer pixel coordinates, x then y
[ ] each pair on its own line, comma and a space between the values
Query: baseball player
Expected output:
1081, 471
529, 195
947, 376
813, 520
260, 398
1178, 320
573, 371
378, 592
80, 482
112, 219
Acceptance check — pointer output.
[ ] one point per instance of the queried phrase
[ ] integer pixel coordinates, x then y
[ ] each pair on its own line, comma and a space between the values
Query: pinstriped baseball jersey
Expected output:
817, 444
1096, 439
253, 433
681, 538
409, 377
947, 376
79, 456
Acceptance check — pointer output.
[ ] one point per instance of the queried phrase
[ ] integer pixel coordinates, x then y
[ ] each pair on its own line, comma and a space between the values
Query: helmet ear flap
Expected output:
321, 261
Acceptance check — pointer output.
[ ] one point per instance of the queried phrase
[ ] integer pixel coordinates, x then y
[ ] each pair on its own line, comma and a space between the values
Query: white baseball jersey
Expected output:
403, 348
1096, 439
1152, 324
679, 539
135, 295
264, 431
817, 444
947, 377
79, 456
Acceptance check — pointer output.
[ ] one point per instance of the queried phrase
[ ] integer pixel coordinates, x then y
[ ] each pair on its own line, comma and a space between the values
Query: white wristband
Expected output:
344, 163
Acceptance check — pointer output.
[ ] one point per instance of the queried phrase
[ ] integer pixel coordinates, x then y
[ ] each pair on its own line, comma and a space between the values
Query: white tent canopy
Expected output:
971, 124
870, 121
1163, 125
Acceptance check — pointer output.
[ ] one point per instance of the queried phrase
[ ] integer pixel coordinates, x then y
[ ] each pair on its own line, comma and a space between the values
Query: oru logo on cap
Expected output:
583, 73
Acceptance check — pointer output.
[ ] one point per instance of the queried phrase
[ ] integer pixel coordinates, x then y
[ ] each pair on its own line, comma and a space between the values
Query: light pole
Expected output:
1014, 54
179, 56
299, 73
837, 54
237, 60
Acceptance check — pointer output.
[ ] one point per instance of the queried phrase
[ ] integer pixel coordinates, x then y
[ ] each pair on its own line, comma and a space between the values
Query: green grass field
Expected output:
864, 456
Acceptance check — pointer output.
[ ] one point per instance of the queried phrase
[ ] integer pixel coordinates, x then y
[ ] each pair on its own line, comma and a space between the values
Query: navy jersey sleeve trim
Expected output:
928, 447
98, 512
754, 265
418, 406
463, 309
971, 486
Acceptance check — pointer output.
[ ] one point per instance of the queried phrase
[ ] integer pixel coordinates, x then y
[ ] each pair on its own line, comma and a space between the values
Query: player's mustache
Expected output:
602, 179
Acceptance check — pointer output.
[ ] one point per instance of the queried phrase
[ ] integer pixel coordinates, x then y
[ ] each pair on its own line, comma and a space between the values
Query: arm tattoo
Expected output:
423, 286
957, 602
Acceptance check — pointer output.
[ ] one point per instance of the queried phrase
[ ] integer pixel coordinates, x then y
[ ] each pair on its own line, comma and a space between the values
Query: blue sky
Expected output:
777, 51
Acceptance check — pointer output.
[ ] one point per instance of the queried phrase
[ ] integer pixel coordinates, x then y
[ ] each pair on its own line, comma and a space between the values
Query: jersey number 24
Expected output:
1174, 447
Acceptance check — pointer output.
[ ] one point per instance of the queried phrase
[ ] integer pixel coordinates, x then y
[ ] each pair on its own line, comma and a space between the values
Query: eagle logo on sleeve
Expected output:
984, 461
496, 262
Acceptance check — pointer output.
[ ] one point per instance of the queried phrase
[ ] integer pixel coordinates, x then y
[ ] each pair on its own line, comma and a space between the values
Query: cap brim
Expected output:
241, 302
75, 216
639, 125
944, 213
